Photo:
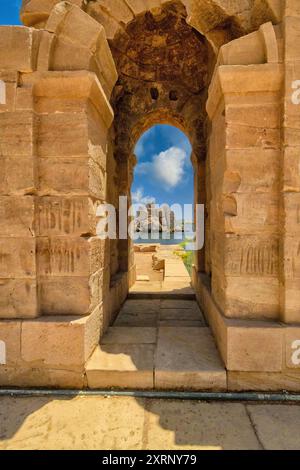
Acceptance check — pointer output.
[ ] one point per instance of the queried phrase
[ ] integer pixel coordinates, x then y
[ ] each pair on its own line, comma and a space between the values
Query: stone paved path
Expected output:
130, 423
160, 339
160, 344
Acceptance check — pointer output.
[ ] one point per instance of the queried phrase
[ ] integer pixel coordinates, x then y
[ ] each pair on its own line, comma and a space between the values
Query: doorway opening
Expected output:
160, 82
162, 195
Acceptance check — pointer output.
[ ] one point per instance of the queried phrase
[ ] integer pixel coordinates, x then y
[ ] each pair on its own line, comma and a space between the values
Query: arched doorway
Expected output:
161, 81
80, 66
162, 195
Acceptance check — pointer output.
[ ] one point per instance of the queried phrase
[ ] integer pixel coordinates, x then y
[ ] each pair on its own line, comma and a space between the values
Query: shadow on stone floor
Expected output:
15, 411
124, 423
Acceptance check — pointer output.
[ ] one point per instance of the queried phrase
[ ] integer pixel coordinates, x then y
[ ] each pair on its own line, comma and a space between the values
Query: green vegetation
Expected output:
187, 256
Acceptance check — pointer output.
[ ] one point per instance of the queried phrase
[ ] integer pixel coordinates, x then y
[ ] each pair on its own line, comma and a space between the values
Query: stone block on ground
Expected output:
60, 342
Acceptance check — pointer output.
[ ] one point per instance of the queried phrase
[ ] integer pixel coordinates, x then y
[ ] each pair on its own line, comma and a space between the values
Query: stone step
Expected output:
162, 295
178, 289
155, 312
179, 358
186, 358
128, 366
125, 359
139, 313
178, 316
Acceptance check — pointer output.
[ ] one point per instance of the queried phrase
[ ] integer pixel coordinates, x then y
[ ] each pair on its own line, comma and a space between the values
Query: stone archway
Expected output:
157, 84
59, 75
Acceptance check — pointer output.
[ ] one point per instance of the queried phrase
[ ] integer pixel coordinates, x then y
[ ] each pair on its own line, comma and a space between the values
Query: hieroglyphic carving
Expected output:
60, 256
296, 262
4, 262
70, 256
251, 257
259, 260
63, 216
2, 92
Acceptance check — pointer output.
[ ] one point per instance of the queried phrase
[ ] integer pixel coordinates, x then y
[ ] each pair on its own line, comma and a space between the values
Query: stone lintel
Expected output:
242, 79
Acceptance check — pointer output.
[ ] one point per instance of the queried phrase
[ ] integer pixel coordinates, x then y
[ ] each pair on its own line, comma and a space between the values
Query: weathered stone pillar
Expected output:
74, 116
53, 134
244, 152
199, 198
125, 174
68, 153
290, 189
121, 249
131, 261
18, 182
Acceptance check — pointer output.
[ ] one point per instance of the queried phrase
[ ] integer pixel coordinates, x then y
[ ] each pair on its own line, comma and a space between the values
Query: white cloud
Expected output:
139, 198
166, 167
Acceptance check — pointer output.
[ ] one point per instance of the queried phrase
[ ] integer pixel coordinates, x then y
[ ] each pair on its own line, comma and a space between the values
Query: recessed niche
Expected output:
173, 95
154, 93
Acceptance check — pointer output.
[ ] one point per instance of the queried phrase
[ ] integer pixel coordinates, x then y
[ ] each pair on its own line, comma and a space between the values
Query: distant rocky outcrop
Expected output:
150, 218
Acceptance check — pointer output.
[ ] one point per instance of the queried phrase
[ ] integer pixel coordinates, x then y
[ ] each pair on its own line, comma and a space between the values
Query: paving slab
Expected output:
128, 423
143, 305
121, 366
168, 294
179, 289
148, 287
186, 358
198, 425
137, 319
178, 304
139, 313
174, 269
181, 314
143, 277
81, 423
129, 335
182, 323
269, 418
183, 281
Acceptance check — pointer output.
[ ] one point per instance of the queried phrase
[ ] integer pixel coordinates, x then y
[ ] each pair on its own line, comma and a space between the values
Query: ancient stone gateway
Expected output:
79, 84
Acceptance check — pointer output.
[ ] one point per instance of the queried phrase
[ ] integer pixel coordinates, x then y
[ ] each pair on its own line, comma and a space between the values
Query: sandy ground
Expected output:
131, 423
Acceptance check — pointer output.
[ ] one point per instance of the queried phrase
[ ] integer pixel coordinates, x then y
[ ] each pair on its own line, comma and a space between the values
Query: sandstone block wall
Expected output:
244, 155
290, 184
72, 176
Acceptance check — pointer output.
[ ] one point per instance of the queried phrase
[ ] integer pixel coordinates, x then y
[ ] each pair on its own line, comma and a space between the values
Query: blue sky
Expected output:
9, 11
164, 172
